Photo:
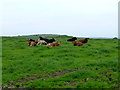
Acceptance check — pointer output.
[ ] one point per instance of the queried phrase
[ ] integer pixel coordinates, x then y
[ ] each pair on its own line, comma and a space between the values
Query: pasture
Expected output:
92, 65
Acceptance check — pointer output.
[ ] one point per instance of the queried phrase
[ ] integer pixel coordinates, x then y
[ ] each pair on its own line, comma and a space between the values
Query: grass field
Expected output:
93, 65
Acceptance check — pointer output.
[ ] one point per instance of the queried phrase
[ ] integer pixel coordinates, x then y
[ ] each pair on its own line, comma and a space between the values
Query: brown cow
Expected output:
77, 43
84, 40
32, 43
54, 44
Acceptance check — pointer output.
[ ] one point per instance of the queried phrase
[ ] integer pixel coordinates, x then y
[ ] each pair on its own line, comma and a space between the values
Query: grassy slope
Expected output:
93, 65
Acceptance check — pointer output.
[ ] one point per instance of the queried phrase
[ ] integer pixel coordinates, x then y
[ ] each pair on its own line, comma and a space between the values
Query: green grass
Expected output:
93, 65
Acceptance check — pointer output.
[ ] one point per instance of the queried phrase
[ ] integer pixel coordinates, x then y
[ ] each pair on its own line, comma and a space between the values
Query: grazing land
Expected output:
93, 65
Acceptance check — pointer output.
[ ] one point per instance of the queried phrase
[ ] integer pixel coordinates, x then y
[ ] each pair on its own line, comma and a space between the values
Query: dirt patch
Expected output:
60, 73
24, 80
30, 78
70, 83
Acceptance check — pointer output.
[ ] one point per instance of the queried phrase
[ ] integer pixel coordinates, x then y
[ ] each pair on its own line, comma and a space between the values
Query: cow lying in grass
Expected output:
32, 42
41, 38
29, 41
54, 44
47, 40
40, 42
84, 40
80, 42
72, 39
50, 40
77, 43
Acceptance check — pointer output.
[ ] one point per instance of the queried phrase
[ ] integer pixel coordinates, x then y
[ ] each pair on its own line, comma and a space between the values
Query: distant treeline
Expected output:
42, 35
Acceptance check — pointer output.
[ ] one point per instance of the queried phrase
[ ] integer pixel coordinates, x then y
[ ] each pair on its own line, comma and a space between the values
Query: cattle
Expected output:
54, 44
77, 43
72, 39
47, 40
84, 40
32, 42
29, 41
40, 42
41, 38
50, 40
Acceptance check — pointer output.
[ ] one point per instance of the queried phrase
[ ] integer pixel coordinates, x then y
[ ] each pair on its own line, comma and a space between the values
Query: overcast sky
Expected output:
83, 18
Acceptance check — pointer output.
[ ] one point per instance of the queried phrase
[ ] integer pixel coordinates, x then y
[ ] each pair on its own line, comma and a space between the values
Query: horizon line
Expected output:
58, 34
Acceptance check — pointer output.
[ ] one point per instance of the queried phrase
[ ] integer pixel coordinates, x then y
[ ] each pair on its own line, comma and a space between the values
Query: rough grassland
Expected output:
93, 65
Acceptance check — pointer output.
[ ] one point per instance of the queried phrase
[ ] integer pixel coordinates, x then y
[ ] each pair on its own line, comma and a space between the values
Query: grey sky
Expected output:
88, 18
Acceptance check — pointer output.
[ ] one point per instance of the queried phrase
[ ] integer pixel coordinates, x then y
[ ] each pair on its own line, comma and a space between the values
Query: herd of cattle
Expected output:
49, 42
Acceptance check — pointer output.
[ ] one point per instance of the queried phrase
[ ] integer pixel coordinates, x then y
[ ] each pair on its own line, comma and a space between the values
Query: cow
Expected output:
77, 43
54, 44
41, 38
84, 40
40, 42
47, 40
72, 39
32, 42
